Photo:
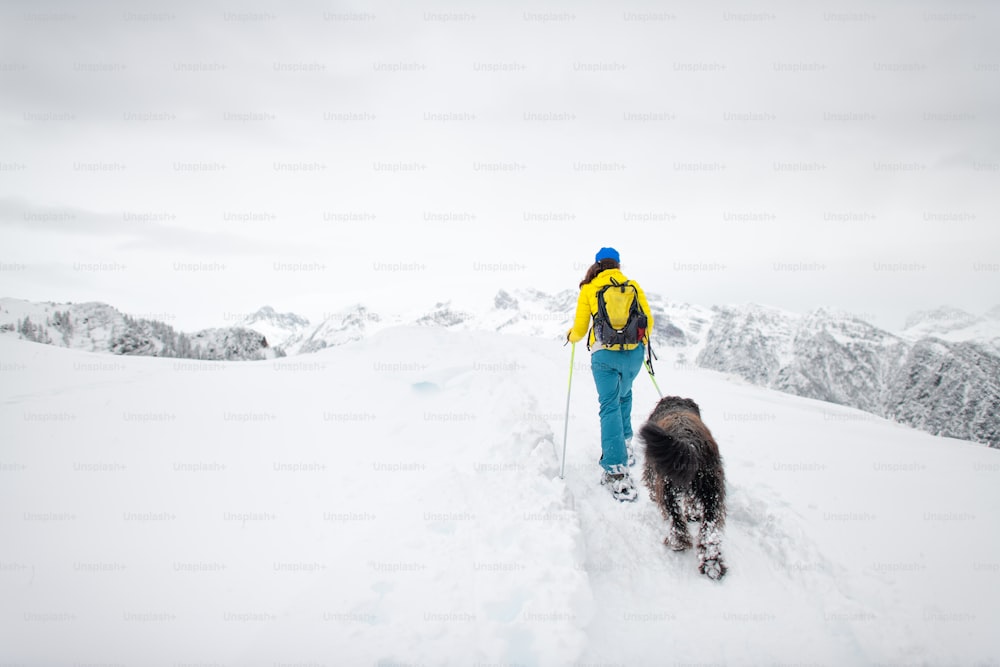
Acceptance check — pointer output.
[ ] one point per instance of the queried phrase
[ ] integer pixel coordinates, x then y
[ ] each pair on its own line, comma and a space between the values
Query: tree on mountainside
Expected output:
34, 332
61, 322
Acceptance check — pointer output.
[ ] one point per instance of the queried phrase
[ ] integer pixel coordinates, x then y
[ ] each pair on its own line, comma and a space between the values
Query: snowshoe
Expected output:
620, 485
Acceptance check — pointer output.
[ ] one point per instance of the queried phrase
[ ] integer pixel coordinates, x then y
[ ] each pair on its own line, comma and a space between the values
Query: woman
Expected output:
614, 369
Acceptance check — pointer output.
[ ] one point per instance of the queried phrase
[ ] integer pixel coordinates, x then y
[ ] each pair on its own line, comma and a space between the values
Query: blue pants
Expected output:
614, 371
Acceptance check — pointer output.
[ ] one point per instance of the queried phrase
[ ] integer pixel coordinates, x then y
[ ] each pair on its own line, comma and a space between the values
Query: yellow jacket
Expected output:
586, 306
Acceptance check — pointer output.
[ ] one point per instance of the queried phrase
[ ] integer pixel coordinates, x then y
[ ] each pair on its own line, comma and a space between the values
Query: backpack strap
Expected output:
602, 312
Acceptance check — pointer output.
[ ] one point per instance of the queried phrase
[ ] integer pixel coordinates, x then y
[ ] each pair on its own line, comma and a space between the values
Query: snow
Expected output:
396, 500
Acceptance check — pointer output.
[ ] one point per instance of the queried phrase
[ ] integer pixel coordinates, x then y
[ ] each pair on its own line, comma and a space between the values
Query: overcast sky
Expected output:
198, 160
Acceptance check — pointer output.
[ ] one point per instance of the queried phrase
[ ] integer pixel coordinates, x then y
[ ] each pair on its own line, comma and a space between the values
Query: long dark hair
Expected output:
597, 267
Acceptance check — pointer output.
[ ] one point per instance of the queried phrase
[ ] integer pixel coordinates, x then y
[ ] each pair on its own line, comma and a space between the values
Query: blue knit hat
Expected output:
607, 253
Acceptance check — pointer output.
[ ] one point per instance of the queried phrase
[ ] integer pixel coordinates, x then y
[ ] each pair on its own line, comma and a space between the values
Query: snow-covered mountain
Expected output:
948, 389
282, 330
926, 382
529, 312
752, 342
955, 325
269, 513
98, 327
833, 358
346, 326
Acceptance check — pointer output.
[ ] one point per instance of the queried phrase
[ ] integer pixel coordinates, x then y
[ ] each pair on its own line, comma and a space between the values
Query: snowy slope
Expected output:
396, 501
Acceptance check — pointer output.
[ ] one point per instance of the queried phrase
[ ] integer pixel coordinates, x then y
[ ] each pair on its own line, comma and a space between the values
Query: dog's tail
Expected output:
670, 454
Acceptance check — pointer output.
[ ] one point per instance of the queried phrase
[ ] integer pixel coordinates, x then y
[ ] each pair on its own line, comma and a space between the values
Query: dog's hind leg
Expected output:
710, 561
678, 538
654, 484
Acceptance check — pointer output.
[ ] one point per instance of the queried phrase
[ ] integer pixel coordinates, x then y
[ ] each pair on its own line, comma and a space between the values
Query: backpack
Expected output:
619, 320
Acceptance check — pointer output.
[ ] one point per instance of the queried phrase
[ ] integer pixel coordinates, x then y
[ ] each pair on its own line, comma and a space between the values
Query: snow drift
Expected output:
396, 500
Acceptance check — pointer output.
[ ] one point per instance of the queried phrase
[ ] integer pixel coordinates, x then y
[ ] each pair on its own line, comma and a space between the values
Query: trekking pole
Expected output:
650, 355
569, 387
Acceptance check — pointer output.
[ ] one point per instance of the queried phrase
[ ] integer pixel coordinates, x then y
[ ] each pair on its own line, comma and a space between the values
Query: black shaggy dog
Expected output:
685, 478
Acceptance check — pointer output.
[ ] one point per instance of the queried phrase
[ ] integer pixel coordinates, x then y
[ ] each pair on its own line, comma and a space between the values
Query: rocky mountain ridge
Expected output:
944, 387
